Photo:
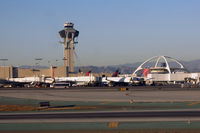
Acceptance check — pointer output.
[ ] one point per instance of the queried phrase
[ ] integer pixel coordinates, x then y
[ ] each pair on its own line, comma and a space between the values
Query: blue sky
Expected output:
111, 31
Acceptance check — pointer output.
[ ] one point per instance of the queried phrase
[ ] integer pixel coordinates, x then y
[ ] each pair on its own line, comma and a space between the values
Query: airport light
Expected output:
49, 63
38, 59
38, 63
3, 59
56, 62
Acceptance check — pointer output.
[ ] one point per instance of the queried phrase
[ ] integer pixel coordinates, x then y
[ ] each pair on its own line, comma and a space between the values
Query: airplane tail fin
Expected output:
146, 72
115, 74
88, 73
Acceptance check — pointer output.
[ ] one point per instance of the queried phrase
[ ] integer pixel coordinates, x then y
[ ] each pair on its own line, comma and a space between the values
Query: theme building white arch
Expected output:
165, 58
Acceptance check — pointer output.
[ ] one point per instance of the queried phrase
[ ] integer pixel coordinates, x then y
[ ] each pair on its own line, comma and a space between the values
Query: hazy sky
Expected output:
111, 31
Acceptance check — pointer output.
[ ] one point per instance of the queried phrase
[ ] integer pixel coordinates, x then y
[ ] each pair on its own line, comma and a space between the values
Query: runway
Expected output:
89, 115
139, 116
104, 95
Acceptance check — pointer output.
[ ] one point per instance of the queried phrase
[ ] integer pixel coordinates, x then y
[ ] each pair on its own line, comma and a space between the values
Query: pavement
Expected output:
102, 116
96, 126
78, 106
104, 101
108, 96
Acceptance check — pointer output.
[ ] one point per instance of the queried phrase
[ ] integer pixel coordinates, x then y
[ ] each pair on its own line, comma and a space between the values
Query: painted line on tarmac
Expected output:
143, 119
194, 103
114, 111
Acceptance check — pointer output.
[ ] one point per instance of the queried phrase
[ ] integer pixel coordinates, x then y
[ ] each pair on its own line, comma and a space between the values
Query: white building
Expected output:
166, 70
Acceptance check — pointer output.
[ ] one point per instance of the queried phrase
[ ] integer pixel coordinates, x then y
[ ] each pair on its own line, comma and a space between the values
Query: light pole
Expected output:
4, 60
56, 62
49, 63
38, 59
67, 68
38, 64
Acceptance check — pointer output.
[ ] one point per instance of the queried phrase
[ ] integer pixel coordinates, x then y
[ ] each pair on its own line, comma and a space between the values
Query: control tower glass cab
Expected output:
69, 34
68, 25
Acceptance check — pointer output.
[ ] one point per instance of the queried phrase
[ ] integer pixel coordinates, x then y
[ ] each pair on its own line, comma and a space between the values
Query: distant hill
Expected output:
191, 66
107, 69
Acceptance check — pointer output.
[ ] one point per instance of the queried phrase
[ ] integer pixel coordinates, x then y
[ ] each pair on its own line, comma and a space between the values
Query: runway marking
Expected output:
193, 103
106, 103
131, 101
113, 124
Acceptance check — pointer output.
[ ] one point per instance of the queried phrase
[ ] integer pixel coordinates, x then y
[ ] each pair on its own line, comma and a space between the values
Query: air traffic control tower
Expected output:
69, 34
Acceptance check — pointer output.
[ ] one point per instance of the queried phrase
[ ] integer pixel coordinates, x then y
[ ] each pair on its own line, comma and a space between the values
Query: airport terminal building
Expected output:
7, 72
17, 72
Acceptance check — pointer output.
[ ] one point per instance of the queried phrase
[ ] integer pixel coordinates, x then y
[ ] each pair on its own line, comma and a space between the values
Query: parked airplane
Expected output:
116, 80
87, 80
31, 81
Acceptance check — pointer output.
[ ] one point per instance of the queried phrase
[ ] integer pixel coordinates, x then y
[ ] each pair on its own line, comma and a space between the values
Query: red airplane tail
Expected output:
146, 72
88, 73
115, 74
